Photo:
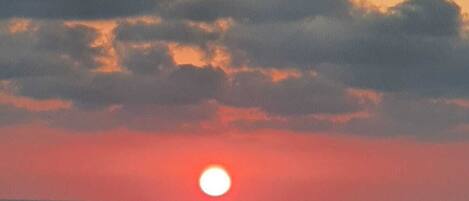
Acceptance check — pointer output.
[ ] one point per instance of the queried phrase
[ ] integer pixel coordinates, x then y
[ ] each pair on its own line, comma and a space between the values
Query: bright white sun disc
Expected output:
215, 181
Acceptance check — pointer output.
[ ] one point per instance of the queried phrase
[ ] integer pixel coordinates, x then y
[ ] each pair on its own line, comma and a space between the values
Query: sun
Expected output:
215, 181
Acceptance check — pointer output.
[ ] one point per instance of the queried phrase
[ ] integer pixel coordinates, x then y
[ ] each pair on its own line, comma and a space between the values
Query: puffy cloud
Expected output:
409, 33
417, 48
48, 48
292, 96
425, 17
253, 11
53, 60
185, 85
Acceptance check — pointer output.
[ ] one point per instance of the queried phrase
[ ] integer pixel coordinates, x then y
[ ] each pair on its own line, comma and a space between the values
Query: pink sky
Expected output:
122, 165
300, 100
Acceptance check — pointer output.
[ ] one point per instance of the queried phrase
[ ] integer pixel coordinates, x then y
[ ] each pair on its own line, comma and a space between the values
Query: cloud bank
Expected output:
301, 65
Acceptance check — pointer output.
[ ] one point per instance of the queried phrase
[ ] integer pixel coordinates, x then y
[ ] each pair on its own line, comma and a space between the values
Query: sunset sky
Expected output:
299, 100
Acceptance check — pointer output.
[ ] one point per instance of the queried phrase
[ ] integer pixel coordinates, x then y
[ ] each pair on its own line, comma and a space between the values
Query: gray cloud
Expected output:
424, 17
293, 96
74, 9
365, 38
253, 11
153, 60
397, 115
413, 116
416, 47
185, 85
172, 31
56, 62
52, 49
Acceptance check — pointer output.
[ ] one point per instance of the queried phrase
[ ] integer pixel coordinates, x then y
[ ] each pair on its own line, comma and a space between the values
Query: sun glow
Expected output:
215, 181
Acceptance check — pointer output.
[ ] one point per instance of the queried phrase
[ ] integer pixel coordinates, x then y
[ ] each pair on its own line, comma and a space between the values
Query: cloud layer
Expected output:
301, 65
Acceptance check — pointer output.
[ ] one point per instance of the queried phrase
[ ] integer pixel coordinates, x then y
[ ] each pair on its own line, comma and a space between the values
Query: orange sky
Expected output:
38, 161
124, 165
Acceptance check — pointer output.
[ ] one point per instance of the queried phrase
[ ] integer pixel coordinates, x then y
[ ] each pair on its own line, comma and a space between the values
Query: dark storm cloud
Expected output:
411, 32
185, 85
192, 84
52, 49
292, 44
75, 9
293, 96
172, 31
75, 42
424, 17
154, 60
253, 11
416, 47
56, 61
